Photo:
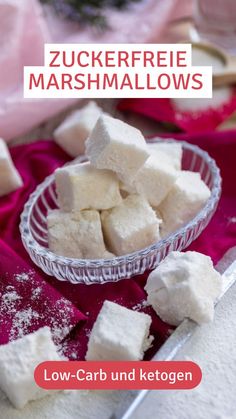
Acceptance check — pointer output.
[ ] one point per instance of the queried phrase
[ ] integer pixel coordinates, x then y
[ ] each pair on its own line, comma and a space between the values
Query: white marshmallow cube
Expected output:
154, 180
10, 179
18, 359
130, 226
117, 146
119, 334
168, 152
76, 234
185, 199
184, 285
81, 186
75, 129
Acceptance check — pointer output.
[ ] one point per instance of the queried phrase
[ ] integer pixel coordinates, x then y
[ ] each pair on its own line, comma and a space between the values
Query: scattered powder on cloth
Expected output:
61, 326
22, 322
36, 292
9, 299
24, 313
24, 276
140, 306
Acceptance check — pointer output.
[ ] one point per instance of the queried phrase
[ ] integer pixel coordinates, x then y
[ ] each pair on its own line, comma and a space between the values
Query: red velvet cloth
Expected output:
35, 161
164, 110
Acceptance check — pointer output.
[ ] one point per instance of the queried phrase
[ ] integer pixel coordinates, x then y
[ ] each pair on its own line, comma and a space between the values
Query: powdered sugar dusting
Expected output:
140, 306
24, 276
22, 316
22, 322
8, 301
36, 292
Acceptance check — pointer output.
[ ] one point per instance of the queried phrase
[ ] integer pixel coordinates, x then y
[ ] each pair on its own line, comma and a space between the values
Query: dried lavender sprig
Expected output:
89, 11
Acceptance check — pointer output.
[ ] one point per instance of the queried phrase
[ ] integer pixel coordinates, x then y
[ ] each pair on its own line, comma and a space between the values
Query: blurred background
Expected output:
28, 24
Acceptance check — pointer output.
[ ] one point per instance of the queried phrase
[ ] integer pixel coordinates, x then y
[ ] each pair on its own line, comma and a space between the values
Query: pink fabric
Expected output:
34, 162
163, 110
24, 28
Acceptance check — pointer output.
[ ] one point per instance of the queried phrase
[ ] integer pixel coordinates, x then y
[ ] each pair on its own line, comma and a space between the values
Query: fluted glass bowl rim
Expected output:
30, 242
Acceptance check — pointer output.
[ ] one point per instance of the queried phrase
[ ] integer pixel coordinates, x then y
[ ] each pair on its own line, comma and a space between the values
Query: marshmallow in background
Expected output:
220, 97
10, 179
75, 129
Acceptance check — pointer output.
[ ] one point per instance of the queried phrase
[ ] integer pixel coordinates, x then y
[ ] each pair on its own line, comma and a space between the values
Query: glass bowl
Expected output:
33, 228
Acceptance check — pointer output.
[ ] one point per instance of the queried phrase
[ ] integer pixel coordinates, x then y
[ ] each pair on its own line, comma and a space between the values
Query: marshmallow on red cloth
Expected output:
35, 161
182, 116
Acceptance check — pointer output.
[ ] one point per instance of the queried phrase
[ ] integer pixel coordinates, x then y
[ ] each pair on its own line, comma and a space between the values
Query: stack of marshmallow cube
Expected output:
127, 197
92, 212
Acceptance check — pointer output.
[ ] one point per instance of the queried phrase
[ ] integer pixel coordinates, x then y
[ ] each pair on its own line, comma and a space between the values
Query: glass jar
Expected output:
215, 21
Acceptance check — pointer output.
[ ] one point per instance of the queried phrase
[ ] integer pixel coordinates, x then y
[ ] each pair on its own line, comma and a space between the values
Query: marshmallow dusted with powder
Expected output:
18, 359
10, 179
75, 129
187, 196
81, 186
130, 226
154, 180
117, 146
169, 152
119, 334
184, 285
76, 234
